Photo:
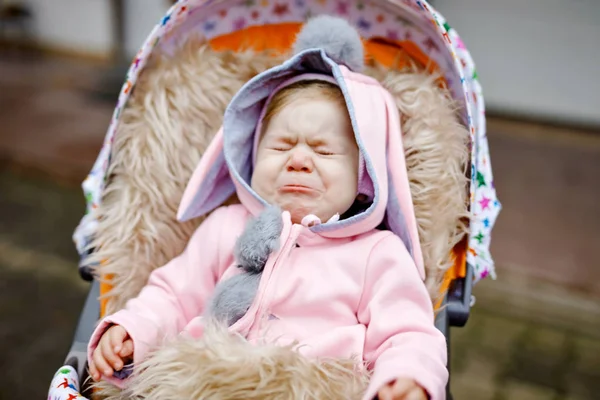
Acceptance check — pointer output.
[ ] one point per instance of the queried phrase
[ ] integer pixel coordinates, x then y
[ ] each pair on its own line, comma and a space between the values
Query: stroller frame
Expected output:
462, 79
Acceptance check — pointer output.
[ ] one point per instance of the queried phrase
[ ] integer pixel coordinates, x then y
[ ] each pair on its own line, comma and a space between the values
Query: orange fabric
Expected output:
458, 269
280, 38
398, 54
104, 288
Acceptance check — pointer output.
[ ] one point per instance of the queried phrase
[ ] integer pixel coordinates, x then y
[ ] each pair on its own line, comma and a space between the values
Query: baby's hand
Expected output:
402, 389
114, 347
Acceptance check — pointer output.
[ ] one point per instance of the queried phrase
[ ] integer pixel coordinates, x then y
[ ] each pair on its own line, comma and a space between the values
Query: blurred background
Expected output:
534, 332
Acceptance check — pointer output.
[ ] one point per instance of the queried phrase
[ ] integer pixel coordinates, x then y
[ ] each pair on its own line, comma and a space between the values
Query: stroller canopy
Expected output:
412, 24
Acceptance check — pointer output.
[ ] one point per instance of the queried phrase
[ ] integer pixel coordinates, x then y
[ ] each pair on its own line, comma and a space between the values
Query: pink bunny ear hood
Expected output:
331, 47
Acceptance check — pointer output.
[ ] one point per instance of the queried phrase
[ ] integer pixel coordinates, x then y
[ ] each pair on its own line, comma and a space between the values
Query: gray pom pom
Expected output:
259, 240
336, 36
233, 297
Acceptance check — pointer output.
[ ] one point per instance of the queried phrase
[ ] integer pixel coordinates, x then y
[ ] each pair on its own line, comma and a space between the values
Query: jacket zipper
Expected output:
267, 293
245, 324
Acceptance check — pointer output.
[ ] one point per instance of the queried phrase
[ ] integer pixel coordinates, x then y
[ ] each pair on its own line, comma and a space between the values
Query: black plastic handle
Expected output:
459, 299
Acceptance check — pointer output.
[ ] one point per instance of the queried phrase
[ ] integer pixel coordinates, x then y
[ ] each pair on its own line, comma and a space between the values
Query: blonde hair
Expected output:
309, 89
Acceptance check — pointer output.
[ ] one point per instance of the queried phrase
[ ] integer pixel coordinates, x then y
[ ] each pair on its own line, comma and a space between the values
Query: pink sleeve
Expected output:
401, 338
174, 294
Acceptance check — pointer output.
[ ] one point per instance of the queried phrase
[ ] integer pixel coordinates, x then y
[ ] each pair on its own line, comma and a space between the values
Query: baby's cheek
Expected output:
264, 185
344, 173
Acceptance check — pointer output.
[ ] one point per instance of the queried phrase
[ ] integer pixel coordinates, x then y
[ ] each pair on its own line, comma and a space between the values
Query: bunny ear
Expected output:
400, 213
210, 185
340, 41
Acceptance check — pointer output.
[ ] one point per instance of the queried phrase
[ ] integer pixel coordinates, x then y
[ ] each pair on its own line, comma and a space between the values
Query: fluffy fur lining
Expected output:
436, 147
173, 114
176, 109
227, 367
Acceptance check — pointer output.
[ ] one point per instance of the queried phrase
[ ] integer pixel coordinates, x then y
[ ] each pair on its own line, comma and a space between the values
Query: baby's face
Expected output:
307, 160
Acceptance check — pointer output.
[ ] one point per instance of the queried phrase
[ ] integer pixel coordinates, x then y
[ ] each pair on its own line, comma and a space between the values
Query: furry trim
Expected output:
227, 367
171, 118
176, 109
436, 147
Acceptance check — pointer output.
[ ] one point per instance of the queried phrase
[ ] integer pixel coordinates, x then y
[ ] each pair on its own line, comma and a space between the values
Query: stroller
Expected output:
171, 105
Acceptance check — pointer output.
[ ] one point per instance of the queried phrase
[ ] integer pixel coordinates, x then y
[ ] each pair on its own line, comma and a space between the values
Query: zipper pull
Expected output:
310, 220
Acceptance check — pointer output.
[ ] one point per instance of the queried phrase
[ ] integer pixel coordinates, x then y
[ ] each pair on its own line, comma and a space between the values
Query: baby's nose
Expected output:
300, 160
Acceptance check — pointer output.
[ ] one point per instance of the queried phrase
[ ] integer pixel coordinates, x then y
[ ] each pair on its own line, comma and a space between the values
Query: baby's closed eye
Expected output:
323, 148
325, 152
283, 143
280, 148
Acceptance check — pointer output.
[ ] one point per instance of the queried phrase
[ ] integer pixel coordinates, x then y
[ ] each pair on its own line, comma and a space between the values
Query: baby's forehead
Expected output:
303, 107
307, 96
312, 118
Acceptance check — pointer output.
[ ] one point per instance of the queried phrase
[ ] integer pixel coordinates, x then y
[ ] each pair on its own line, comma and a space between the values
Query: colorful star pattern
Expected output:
65, 385
480, 179
342, 7
479, 237
239, 23
392, 34
430, 45
281, 9
485, 203
363, 24
447, 50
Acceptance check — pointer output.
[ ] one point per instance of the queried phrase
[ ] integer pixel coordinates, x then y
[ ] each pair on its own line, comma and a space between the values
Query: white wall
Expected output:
535, 57
538, 57
77, 25
141, 16
86, 25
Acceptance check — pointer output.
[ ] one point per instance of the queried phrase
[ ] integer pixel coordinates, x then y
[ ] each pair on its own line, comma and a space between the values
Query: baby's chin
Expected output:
297, 213
297, 209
